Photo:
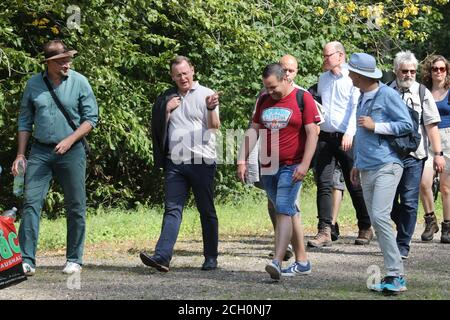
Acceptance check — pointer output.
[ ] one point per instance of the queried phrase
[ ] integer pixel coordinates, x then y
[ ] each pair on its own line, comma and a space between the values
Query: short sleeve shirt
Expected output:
283, 117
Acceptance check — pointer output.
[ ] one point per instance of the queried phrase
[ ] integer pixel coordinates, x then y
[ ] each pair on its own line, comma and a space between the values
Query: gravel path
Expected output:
339, 272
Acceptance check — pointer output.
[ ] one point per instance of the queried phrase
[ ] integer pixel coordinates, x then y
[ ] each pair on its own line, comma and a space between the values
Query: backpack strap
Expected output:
299, 97
422, 90
263, 97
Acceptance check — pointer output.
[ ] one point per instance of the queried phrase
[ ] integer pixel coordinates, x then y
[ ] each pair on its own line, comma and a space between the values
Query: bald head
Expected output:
290, 65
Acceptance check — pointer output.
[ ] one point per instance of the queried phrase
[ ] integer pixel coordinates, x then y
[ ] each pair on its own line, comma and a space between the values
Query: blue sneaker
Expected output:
390, 284
274, 269
296, 269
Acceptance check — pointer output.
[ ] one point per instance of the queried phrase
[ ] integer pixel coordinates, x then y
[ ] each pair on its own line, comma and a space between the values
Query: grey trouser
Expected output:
379, 187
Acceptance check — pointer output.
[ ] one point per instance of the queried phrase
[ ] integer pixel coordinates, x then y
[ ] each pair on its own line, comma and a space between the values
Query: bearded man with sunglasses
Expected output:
406, 201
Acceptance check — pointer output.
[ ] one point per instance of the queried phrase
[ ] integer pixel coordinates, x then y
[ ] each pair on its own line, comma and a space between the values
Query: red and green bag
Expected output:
11, 270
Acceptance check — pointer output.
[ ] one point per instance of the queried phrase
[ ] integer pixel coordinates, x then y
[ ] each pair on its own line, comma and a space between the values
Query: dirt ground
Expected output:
339, 272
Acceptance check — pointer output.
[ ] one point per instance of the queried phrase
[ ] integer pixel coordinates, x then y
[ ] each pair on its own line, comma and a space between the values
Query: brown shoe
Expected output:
445, 232
364, 236
431, 227
322, 239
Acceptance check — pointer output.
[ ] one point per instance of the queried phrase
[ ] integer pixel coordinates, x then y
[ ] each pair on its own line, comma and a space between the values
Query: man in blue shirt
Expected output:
56, 151
378, 167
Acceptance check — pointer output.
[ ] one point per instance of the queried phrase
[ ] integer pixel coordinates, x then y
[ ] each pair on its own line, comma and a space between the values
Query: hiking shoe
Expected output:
322, 238
431, 227
445, 232
364, 236
274, 269
153, 261
390, 285
71, 268
335, 232
28, 270
287, 256
296, 269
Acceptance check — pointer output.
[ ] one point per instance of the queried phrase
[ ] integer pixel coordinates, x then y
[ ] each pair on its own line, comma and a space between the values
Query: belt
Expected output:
51, 145
334, 135
48, 145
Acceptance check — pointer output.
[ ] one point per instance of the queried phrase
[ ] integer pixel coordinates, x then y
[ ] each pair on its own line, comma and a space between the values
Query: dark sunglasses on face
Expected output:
405, 72
440, 69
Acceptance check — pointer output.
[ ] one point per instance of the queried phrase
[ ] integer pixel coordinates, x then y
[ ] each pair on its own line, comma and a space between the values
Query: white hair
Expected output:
405, 57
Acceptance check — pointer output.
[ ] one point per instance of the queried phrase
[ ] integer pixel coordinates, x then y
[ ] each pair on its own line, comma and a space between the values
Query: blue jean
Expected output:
281, 190
178, 179
406, 202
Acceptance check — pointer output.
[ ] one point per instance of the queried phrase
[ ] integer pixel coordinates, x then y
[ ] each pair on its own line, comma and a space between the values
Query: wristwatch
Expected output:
440, 153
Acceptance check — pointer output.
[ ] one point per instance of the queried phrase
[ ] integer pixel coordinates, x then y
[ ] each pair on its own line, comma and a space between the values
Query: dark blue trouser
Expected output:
69, 171
178, 179
406, 202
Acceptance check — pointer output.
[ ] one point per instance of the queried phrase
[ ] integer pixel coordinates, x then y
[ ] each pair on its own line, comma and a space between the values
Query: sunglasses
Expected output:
440, 69
408, 71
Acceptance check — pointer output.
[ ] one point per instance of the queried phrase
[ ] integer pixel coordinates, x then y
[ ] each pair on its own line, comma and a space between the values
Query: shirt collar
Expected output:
343, 73
195, 86
63, 79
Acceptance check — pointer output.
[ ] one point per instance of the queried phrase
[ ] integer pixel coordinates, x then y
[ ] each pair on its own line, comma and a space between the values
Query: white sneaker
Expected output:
28, 270
71, 268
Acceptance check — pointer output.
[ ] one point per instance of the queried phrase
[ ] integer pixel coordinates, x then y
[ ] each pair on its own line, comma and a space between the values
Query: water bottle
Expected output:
19, 180
11, 213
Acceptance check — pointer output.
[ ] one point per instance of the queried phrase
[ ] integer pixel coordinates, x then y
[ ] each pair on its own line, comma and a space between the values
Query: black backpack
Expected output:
409, 142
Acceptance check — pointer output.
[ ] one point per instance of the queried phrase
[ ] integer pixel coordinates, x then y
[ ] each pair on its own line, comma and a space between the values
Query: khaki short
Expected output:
445, 143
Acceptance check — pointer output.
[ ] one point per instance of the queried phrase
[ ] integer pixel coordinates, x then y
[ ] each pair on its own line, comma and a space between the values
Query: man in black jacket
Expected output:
184, 123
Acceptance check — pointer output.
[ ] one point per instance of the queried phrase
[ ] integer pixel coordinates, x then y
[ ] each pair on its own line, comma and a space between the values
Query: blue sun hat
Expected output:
364, 64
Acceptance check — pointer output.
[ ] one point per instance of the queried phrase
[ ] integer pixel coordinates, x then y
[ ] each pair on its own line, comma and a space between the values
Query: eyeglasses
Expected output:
440, 69
329, 55
405, 72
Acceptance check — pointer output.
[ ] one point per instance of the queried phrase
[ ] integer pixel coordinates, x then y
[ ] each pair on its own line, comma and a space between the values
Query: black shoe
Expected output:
154, 262
404, 253
335, 232
209, 264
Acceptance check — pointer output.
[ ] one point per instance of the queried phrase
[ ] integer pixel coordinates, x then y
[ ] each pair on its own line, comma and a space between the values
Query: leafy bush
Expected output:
124, 48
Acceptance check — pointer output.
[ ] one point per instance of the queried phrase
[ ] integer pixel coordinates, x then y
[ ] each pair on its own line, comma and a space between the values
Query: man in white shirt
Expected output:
185, 119
339, 100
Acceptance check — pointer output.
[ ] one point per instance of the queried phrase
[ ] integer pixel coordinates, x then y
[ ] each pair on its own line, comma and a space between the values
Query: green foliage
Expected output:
124, 48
